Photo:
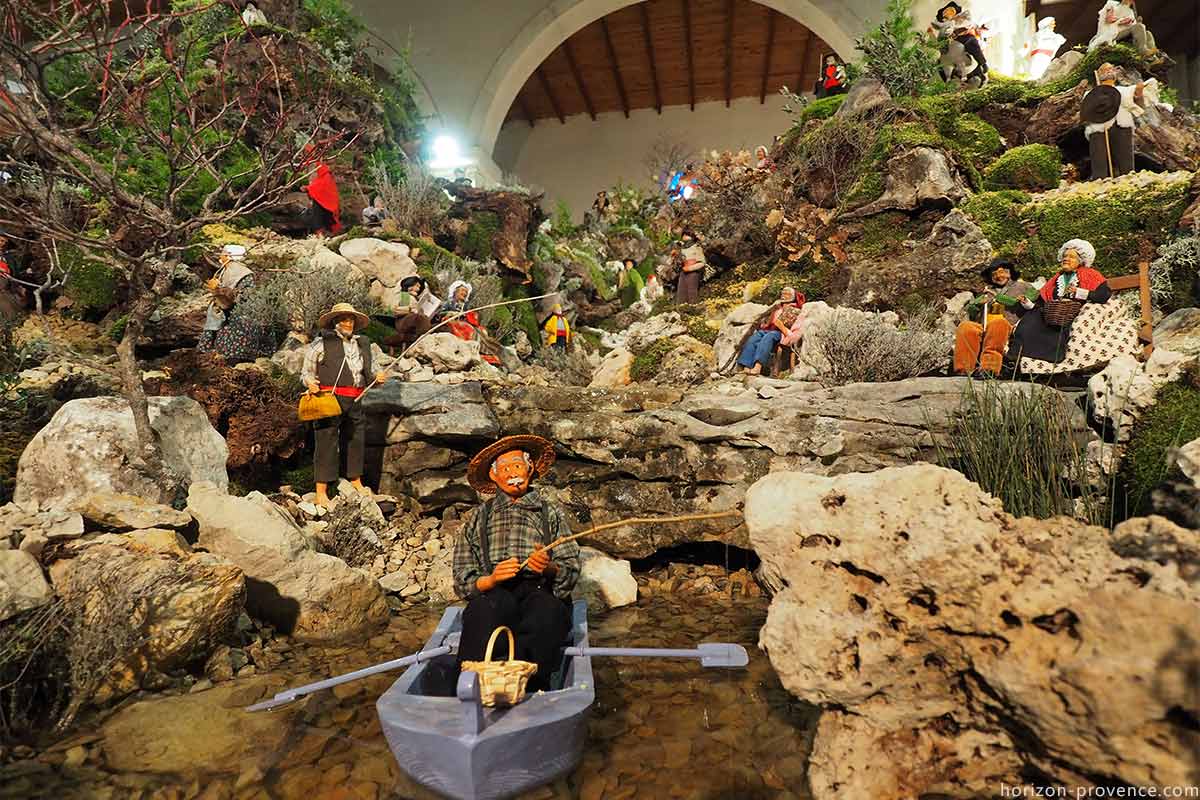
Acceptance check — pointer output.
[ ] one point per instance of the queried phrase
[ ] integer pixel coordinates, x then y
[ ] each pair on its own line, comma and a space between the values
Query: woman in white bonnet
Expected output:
227, 332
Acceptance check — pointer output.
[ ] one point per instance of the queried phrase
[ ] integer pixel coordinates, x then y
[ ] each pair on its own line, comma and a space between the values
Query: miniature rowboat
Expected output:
457, 747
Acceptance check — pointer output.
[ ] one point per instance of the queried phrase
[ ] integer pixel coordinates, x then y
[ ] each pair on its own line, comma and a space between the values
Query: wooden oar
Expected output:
709, 654
633, 521
283, 698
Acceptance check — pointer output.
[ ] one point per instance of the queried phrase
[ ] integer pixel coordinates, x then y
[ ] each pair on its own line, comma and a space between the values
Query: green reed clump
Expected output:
1023, 445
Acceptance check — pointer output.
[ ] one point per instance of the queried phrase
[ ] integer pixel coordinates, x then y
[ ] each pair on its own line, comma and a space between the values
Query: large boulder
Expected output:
311, 595
945, 262
161, 604
22, 585
955, 649
126, 512
613, 372
178, 321
1122, 392
447, 353
89, 446
1180, 331
385, 262
918, 178
690, 362
865, 95
605, 582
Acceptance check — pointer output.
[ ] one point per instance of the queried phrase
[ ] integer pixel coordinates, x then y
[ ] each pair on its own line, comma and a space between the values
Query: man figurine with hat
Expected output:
954, 24
980, 346
496, 538
340, 362
1109, 111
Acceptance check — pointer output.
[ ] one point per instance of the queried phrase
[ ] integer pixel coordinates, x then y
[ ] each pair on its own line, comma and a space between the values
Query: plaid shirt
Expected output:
514, 531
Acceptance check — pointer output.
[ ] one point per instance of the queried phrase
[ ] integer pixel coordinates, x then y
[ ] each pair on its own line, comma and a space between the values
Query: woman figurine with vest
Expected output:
340, 361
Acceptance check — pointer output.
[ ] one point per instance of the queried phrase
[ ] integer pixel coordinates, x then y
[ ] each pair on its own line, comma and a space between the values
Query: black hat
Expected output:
941, 15
1100, 104
412, 280
997, 263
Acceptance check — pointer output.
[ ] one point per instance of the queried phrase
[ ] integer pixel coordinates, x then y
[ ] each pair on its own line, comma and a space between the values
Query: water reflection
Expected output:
658, 729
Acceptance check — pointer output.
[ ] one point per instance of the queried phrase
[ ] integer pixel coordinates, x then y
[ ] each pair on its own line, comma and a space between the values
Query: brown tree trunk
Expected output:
149, 451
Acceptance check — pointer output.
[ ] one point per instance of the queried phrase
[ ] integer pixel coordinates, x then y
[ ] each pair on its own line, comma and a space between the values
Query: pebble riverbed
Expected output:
658, 729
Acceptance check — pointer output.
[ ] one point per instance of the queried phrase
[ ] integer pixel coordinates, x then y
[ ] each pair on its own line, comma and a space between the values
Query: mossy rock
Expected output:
218, 235
824, 108
117, 329
1115, 218
1174, 420
523, 315
1031, 168
700, 329
882, 234
647, 363
477, 243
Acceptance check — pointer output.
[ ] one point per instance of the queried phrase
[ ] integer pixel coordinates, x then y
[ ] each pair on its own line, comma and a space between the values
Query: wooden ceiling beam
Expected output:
691, 58
587, 98
541, 73
658, 103
762, 91
729, 11
521, 104
800, 85
616, 68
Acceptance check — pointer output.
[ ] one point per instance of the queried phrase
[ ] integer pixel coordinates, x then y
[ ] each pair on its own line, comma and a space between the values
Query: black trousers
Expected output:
1121, 140
340, 443
687, 289
973, 48
319, 218
539, 621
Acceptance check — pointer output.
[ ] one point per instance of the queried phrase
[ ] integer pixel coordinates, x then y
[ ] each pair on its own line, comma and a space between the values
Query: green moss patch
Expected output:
882, 234
824, 108
91, 285
1173, 421
648, 363
1031, 167
1115, 219
477, 243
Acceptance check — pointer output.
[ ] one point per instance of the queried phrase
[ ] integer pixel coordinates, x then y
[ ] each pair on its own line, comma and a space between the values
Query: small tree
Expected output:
897, 54
154, 124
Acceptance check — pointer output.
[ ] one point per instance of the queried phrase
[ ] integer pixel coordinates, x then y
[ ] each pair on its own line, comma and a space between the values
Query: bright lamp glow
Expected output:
447, 154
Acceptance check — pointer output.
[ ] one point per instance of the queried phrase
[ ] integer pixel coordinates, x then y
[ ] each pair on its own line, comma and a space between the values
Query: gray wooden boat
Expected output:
458, 748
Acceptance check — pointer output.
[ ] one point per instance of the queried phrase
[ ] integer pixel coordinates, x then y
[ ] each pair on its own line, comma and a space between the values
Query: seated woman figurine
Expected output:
228, 330
1043, 335
463, 322
414, 324
780, 324
981, 345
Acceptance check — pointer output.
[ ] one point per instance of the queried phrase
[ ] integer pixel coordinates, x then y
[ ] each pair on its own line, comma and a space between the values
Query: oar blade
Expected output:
722, 654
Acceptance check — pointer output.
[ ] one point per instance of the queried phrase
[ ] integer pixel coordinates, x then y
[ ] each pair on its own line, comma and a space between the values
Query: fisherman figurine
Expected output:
1109, 111
497, 536
339, 361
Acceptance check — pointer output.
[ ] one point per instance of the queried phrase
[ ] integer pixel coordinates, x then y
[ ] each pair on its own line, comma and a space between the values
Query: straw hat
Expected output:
339, 310
540, 450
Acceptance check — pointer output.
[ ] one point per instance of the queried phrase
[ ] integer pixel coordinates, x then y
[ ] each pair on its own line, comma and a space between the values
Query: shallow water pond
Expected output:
658, 729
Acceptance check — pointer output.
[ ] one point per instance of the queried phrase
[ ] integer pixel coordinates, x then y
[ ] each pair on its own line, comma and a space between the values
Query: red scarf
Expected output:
1088, 279
323, 190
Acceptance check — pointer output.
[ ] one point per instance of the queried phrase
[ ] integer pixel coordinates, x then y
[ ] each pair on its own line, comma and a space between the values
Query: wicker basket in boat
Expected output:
1061, 313
501, 683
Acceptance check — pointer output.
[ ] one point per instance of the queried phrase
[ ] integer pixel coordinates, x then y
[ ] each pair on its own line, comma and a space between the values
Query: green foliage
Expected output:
117, 329
334, 29
1018, 443
299, 478
1174, 420
698, 328
882, 234
648, 363
1115, 220
523, 316
477, 243
376, 331
91, 285
998, 214
1031, 168
897, 53
561, 226
1173, 271
824, 108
